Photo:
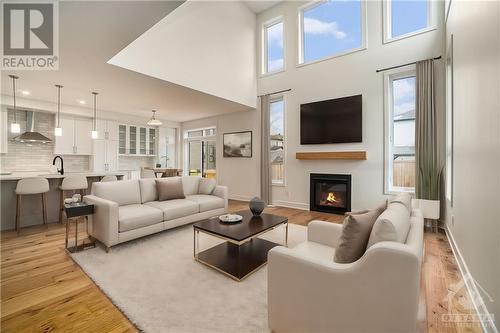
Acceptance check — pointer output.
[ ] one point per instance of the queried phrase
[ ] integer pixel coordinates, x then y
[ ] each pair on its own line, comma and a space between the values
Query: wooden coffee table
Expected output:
243, 252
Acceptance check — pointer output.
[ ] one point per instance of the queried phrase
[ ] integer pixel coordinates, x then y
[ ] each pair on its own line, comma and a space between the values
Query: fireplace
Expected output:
330, 193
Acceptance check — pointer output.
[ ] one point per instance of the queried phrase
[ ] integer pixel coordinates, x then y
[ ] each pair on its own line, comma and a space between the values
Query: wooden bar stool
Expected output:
28, 186
72, 183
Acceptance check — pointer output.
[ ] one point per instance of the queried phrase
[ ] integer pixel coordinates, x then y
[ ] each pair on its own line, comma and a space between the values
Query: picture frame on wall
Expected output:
237, 144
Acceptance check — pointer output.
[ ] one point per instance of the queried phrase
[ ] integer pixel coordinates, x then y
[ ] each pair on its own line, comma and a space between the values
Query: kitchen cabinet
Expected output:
136, 140
107, 129
4, 130
105, 148
76, 137
105, 155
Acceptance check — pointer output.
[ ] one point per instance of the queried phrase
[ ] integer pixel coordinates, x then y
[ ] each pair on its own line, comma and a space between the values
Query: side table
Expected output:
75, 212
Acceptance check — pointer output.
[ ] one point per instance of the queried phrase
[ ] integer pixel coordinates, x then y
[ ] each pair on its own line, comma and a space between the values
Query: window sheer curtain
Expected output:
428, 164
265, 166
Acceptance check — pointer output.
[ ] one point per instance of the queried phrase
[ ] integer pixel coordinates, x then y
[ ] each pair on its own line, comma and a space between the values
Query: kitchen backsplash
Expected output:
135, 163
37, 156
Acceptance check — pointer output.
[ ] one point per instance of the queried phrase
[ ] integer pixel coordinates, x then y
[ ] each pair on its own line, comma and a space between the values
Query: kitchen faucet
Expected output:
61, 171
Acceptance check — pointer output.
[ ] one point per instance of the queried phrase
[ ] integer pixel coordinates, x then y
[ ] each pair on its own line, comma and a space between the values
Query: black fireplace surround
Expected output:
330, 193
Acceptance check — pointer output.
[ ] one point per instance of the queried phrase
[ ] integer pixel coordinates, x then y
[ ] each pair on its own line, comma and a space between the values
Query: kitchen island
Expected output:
31, 209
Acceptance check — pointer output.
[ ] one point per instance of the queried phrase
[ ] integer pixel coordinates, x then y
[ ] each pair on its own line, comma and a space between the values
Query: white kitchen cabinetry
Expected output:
76, 137
107, 129
136, 141
4, 130
105, 148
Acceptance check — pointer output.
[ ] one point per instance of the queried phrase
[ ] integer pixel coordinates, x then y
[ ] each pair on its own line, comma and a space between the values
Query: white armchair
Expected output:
309, 292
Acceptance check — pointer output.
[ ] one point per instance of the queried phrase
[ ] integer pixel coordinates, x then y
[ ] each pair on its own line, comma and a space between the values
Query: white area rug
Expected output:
160, 287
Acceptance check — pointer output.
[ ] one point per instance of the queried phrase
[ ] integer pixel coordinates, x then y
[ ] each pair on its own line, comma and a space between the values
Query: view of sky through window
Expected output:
277, 120
403, 92
274, 47
330, 28
408, 16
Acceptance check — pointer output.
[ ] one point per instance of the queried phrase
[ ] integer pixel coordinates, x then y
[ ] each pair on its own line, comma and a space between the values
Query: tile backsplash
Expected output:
135, 162
37, 156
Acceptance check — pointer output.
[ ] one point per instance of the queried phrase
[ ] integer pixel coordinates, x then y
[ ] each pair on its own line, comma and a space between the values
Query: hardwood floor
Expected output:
43, 290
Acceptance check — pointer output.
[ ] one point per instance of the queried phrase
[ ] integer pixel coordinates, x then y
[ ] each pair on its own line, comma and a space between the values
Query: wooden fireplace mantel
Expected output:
331, 155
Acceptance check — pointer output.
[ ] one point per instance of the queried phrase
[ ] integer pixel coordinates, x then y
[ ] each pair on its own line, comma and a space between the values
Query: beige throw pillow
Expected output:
356, 231
206, 186
170, 188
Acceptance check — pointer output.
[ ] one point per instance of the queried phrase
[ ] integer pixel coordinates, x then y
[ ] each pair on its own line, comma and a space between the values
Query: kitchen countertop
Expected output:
51, 175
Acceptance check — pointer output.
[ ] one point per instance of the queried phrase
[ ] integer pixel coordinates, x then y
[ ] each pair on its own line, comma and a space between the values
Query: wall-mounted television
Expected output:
336, 120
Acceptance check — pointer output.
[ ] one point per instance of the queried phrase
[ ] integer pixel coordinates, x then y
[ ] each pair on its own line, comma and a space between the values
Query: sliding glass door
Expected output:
201, 153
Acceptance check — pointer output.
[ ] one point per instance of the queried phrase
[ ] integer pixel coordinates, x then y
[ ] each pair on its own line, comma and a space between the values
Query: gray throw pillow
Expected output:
170, 188
206, 186
356, 231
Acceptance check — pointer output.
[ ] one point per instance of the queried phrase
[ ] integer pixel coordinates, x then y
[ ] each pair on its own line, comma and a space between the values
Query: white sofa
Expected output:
309, 292
130, 209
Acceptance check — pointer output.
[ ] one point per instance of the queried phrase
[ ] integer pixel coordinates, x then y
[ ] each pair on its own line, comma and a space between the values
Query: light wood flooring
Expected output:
43, 290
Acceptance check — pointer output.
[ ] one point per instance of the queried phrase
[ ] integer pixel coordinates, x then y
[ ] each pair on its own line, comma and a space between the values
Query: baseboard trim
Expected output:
470, 285
239, 197
291, 204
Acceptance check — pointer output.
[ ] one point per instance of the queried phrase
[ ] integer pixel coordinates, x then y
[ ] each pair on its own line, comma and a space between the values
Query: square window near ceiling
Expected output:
273, 47
407, 17
330, 28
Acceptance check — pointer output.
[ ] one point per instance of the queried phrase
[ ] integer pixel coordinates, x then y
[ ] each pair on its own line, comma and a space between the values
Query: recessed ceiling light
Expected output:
82, 102
25, 92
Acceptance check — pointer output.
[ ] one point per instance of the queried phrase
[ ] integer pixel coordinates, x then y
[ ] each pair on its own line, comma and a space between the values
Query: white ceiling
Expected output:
91, 33
258, 6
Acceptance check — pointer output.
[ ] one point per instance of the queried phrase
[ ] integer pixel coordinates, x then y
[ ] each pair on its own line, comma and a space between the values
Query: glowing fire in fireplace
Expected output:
331, 198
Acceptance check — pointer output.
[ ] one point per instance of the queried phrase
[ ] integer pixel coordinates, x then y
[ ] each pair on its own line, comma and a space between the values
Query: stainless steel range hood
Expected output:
30, 136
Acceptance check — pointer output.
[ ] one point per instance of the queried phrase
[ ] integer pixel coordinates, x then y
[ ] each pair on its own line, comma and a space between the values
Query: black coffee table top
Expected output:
248, 227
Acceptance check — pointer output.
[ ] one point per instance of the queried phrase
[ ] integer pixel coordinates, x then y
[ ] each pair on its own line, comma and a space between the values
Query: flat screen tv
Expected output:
336, 120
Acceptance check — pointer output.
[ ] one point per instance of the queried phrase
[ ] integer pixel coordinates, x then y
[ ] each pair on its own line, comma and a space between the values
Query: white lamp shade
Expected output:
15, 128
95, 135
58, 131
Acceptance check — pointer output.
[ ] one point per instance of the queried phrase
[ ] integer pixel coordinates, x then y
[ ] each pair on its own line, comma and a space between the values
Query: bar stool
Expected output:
72, 183
109, 178
27, 186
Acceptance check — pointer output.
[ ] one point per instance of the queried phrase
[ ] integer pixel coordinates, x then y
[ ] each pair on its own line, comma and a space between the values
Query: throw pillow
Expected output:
405, 199
392, 225
356, 231
380, 209
206, 186
170, 188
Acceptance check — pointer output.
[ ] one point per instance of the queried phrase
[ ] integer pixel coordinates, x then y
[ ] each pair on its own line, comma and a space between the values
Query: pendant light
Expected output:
95, 135
58, 129
14, 127
153, 121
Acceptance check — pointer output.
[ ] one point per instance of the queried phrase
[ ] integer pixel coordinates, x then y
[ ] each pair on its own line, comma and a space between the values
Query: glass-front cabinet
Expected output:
136, 140
122, 139
152, 142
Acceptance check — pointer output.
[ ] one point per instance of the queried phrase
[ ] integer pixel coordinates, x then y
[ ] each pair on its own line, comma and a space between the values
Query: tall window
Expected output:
273, 46
406, 17
330, 28
277, 145
400, 131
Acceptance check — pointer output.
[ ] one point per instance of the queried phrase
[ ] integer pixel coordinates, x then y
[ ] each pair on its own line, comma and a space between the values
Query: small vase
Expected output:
257, 206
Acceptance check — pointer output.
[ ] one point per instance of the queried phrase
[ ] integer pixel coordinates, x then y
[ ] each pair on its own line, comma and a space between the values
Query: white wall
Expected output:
241, 175
207, 46
342, 76
474, 219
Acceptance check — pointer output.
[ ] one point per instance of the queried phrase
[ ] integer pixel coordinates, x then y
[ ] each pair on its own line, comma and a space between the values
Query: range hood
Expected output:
30, 136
